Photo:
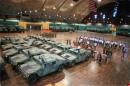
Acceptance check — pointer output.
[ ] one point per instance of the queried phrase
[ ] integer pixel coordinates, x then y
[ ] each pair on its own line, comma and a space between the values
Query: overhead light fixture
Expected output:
74, 15
35, 11
71, 4
44, 9
54, 8
99, 0
30, 11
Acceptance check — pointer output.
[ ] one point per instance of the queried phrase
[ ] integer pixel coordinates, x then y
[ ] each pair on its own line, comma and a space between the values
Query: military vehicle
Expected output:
64, 47
41, 65
70, 59
30, 41
17, 60
34, 51
8, 53
22, 58
19, 41
81, 54
22, 46
46, 46
37, 43
7, 46
51, 42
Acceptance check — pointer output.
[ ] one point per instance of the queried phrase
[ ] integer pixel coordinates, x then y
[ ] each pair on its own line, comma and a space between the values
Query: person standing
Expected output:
95, 46
124, 53
99, 58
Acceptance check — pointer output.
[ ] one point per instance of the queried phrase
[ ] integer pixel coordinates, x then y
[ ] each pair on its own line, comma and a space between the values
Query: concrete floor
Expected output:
90, 73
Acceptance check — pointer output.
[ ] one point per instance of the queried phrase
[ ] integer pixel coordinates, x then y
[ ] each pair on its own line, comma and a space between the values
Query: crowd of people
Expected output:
108, 47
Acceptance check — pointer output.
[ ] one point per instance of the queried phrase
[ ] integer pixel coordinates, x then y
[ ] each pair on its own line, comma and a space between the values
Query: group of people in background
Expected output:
108, 47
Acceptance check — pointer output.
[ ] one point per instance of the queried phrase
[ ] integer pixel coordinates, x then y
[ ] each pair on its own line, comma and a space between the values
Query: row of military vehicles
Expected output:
36, 56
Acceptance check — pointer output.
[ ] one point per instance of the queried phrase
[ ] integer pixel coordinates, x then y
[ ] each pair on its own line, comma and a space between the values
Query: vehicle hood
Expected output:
7, 46
30, 67
18, 58
10, 52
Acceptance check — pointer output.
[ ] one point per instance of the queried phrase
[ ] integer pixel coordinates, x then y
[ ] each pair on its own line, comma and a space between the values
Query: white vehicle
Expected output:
41, 65
7, 46
81, 54
70, 59
46, 46
34, 51
22, 46
8, 53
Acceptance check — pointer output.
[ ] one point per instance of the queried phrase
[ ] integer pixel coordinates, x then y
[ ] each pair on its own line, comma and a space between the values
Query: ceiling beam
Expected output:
75, 7
61, 4
43, 5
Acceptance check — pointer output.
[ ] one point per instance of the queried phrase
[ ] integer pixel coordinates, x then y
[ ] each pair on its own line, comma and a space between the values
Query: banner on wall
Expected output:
44, 25
113, 29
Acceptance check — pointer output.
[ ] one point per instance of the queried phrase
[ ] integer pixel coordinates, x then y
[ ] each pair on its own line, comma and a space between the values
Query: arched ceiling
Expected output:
49, 9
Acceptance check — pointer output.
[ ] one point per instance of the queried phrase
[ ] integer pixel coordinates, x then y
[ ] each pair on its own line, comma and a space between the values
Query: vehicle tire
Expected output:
60, 68
73, 63
32, 78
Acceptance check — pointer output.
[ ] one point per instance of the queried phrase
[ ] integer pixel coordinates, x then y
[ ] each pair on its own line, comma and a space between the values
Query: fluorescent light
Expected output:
71, 4
44, 9
99, 0
54, 8
74, 15
30, 11
36, 11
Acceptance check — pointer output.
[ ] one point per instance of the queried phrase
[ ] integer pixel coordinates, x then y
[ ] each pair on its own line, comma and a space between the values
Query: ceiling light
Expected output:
54, 8
99, 0
30, 11
74, 15
71, 4
35, 11
44, 9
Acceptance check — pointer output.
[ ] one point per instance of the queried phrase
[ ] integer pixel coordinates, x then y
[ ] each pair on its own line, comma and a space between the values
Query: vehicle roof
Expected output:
35, 50
75, 50
30, 66
19, 58
48, 58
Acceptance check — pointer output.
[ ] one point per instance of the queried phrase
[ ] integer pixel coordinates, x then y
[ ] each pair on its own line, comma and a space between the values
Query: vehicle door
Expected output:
50, 67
